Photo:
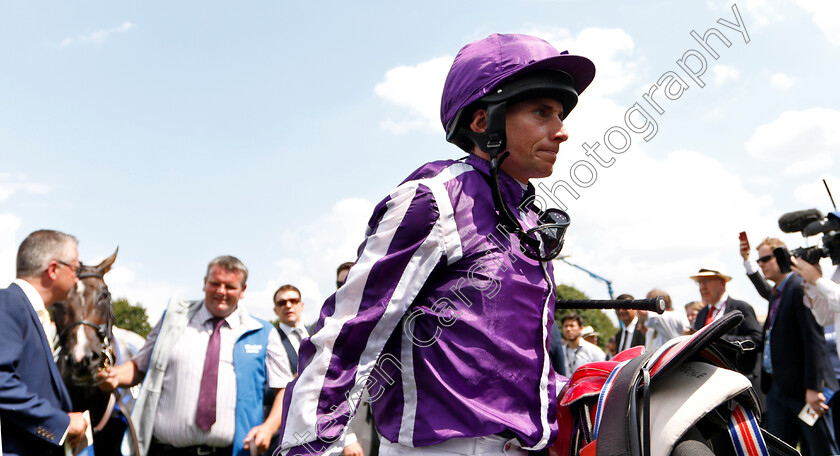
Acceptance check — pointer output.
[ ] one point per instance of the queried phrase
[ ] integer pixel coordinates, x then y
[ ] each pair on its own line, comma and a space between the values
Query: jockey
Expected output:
446, 316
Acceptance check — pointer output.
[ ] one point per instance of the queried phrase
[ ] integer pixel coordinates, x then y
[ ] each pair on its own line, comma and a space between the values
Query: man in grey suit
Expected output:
34, 404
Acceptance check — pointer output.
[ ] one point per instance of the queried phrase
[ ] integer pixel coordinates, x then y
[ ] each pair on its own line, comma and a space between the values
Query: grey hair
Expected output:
228, 263
41, 247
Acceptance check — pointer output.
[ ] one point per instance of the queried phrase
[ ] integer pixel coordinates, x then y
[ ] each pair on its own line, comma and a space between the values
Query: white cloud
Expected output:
649, 222
756, 13
152, 294
826, 15
762, 13
761, 180
783, 81
7, 189
98, 37
610, 49
813, 194
723, 73
9, 225
313, 252
416, 88
804, 141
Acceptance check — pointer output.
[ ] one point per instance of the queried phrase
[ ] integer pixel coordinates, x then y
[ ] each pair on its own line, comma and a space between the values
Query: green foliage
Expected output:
131, 317
591, 317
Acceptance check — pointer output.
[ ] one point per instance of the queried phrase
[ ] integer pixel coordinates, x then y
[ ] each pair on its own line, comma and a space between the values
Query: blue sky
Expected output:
268, 130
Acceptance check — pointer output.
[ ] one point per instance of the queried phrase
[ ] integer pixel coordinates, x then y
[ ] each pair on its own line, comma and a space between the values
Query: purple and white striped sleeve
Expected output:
410, 234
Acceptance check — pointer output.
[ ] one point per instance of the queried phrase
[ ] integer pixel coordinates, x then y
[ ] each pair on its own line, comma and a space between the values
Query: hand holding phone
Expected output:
745, 245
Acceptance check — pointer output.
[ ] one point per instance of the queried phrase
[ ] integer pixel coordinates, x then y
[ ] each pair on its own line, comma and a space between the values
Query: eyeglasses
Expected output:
339, 283
765, 259
76, 269
282, 302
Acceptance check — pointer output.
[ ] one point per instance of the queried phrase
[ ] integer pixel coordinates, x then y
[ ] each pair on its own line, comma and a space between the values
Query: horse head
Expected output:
84, 326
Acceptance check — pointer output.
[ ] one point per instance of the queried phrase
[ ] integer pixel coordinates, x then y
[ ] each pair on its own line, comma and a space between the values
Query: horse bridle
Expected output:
103, 330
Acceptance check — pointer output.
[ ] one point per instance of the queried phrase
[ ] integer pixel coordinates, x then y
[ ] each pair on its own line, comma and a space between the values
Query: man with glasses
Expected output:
445, 318
34, 404
794, 369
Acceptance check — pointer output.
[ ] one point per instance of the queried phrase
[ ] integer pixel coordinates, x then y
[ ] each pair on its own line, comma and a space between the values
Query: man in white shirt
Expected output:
664, 327
203, 384
288, 307
577, 350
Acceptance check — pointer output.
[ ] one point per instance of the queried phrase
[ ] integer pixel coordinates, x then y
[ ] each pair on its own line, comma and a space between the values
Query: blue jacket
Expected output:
249, 353
33, 400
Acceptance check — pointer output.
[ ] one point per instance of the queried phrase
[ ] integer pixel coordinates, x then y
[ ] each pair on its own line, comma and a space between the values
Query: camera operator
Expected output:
822, 295
794, 362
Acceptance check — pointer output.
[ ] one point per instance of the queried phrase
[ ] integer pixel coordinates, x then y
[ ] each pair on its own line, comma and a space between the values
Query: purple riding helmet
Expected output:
503, 69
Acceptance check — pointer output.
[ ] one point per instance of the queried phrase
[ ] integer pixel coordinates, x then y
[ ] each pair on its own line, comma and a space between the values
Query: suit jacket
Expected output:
638, 338
33, 400
797, 346
749, 329
555, 352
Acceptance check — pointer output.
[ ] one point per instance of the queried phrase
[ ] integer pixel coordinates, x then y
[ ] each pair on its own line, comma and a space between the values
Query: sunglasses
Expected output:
541, 243
765, 259
282, 302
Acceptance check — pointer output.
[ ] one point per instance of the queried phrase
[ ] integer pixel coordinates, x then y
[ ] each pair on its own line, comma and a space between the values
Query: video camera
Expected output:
810, 222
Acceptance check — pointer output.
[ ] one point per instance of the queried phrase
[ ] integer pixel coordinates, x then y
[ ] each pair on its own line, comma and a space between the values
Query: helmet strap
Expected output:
493, 142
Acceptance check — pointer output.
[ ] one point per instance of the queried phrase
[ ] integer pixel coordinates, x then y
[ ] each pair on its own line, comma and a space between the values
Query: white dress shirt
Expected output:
175, 418
38, 304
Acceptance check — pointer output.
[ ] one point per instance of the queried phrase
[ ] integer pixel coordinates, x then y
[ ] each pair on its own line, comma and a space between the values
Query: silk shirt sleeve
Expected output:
407, 239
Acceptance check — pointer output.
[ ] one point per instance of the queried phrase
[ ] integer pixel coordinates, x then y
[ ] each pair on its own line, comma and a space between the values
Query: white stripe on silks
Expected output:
411, 282
544, 399
307, 390
409, 387
376, 248
450, 236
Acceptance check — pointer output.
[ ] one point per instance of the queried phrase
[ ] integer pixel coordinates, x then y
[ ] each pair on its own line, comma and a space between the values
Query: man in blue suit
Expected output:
34, 404
794, 363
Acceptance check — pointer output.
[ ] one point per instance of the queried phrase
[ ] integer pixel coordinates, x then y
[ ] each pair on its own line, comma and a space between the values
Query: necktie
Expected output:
298, 334
47, 323
205, 414
710, 316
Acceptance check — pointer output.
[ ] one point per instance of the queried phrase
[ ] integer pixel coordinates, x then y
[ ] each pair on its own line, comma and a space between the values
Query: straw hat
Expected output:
712, 271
